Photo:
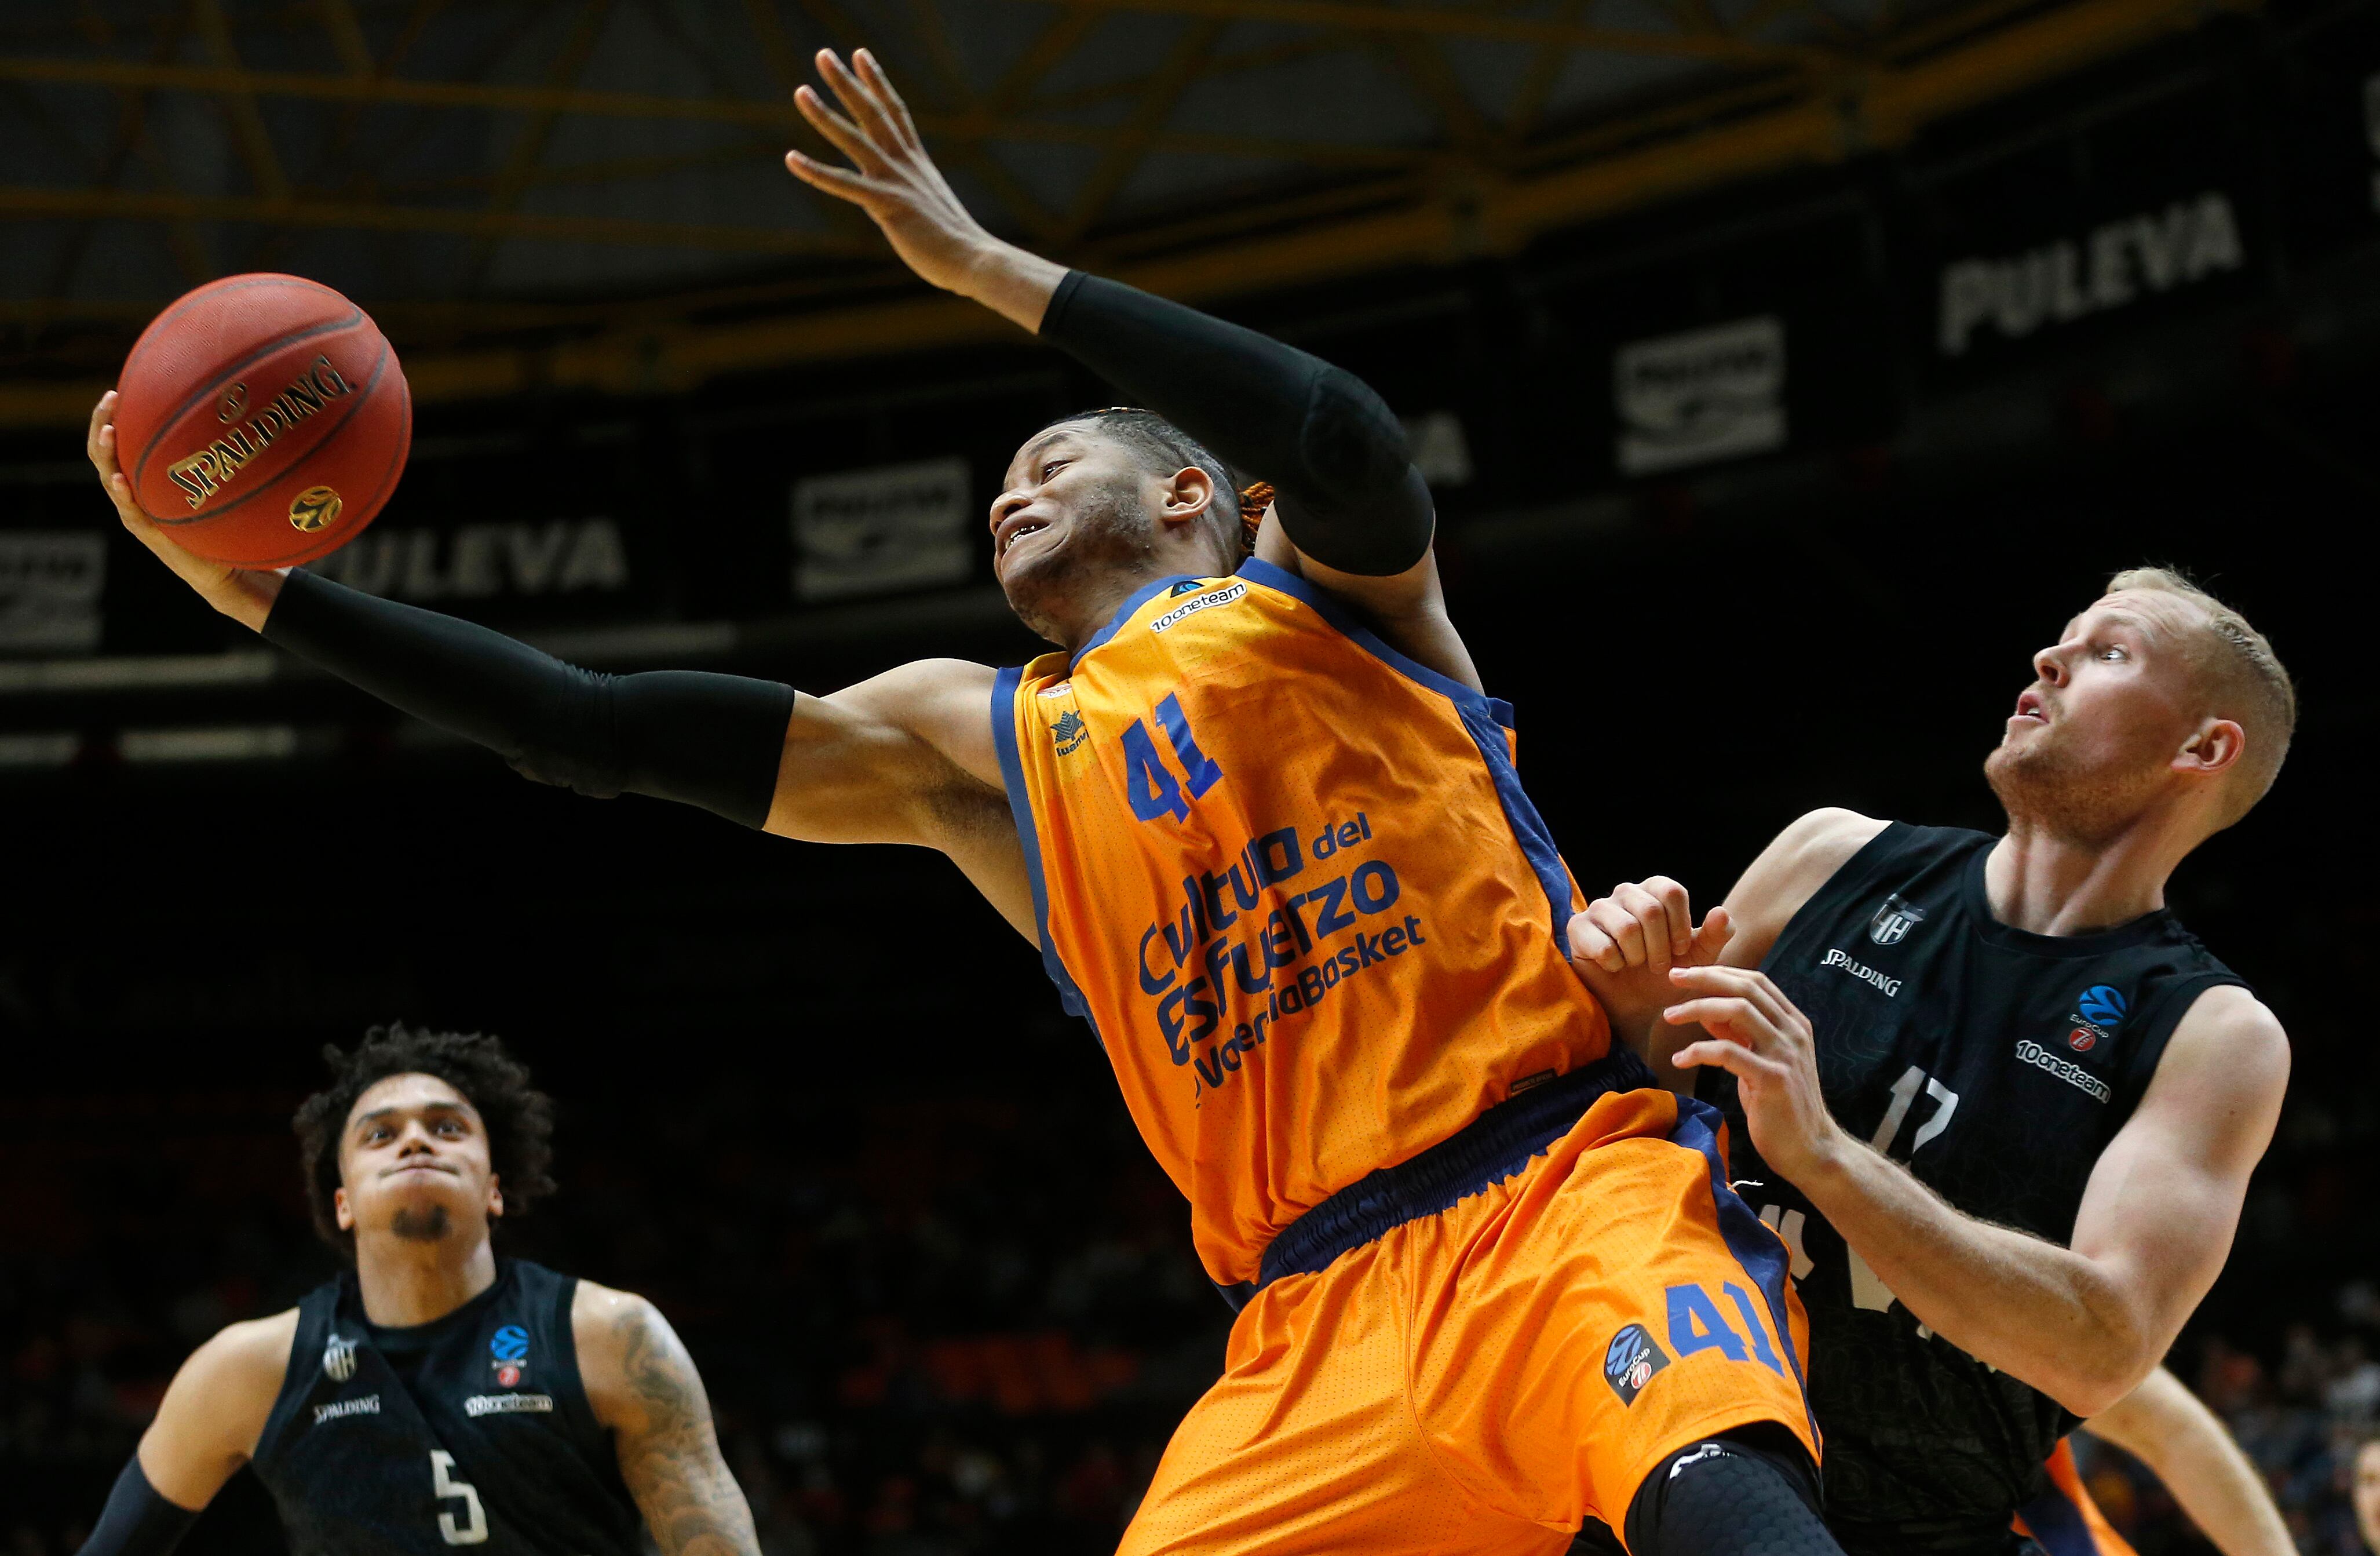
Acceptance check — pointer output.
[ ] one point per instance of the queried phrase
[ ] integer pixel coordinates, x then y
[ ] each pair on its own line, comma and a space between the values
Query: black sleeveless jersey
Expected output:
1997, 1064
470, 1432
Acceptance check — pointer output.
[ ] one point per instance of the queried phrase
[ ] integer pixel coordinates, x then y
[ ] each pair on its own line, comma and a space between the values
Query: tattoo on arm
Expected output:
672, 1463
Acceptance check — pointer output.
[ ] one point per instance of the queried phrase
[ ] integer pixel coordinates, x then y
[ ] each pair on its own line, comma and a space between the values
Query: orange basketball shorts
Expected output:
2064, 1520
1484, 1376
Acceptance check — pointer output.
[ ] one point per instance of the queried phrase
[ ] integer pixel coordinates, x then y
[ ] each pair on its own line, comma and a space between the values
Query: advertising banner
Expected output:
898, 527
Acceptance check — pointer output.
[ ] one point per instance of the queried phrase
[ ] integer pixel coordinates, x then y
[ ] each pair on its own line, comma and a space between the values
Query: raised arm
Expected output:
644, 1389
2171, 1430
1351, 512
205, 1429
906, 757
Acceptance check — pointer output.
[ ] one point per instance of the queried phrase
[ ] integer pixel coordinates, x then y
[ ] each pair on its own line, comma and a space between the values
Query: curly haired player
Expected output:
1266, 831
434, 1395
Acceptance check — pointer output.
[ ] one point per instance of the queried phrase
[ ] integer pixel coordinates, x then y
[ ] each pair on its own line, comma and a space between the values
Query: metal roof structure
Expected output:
588, 193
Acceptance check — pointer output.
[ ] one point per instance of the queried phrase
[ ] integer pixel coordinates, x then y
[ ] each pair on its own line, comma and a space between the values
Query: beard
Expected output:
2051, 787
1109, 533
421, 1223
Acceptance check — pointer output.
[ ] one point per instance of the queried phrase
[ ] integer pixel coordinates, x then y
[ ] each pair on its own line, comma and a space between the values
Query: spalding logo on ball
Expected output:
262, 420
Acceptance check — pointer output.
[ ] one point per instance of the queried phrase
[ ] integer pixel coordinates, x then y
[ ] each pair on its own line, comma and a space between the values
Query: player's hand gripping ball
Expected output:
262, 420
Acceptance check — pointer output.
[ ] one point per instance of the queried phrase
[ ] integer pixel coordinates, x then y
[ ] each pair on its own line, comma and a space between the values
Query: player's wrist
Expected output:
1013, 282
1824, 1164
248, 598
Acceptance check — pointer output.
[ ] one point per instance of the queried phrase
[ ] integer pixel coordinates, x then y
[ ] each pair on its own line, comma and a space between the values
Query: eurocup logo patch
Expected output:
510, 1350
1894, 920
1630, 1362
2100, 1011
339, 1359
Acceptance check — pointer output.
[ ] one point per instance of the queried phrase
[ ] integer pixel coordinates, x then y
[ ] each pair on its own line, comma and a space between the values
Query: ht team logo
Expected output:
1894, 920
339, 1359
2099, 1011
509, 1349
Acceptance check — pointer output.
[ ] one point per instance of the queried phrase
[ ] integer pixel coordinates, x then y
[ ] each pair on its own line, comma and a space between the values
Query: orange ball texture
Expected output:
262, 420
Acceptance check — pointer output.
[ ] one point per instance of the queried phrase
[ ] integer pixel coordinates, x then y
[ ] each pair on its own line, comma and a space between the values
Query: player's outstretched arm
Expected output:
905, 758
1351, 512
2171, 1430
644, 1389
206, 1428
2083, 1323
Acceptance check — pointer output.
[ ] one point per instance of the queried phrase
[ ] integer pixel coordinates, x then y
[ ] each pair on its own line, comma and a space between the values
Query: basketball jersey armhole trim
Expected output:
1006, 687
296, 1381
1344, 621
1484, 719
2174, 1005
1855, 872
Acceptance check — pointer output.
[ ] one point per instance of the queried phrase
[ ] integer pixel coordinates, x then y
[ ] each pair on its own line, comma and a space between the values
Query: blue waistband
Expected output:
1489, 1149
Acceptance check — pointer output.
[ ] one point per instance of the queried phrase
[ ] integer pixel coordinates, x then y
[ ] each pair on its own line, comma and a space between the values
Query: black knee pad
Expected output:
1752, 1491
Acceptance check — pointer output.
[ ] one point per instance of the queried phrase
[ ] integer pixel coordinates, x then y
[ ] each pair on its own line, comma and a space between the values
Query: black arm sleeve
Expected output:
137, 1521
1348, 493
703, 739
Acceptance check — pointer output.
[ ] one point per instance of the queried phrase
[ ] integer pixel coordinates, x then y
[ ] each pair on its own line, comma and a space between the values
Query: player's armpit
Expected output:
908, 757
1407, 609
644, 1389
2163, 1203
214, 1410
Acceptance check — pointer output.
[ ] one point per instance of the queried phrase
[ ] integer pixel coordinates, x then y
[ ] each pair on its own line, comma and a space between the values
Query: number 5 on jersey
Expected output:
1149, 783
474, 1527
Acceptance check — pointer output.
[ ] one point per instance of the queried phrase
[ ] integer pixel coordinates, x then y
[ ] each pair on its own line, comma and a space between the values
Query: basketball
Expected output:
262, 420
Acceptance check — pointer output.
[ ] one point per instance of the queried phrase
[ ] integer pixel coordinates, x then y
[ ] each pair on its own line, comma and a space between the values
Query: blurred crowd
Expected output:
929, 1326
2305, 1422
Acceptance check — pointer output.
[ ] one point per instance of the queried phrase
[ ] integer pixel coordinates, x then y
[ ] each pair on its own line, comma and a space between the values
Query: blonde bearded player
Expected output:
2011, 1136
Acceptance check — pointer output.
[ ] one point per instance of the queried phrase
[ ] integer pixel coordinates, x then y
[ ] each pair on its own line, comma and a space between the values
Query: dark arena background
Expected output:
1788, 371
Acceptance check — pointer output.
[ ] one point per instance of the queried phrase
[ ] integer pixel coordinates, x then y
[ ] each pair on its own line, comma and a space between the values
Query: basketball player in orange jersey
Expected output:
1267, 832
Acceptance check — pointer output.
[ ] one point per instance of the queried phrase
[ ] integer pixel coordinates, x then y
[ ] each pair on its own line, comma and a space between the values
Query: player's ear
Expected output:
495, 1198
2213, 749
341, 1211
1191, 493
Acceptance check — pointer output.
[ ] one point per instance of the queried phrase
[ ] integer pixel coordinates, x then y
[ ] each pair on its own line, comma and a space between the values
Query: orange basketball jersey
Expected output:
1291, 878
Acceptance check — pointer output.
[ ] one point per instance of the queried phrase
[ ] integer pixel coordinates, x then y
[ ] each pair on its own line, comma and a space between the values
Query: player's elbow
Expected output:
2109, 1365
2089, 1391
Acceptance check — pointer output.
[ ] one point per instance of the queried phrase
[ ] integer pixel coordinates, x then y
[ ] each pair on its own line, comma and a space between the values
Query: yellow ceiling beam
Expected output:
1880, 107
150, 206
985, 124
1445, 21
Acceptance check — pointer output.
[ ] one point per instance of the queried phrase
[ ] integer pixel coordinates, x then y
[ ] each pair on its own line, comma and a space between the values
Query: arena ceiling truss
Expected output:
586, 192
